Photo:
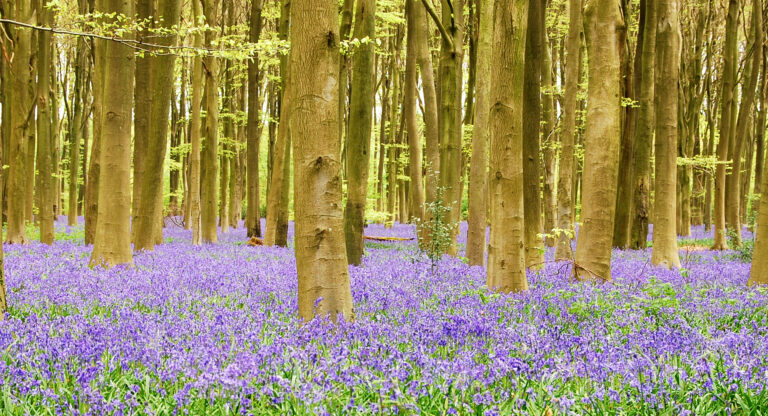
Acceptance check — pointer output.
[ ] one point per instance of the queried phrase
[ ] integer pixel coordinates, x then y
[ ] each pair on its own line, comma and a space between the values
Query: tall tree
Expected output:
431, 133
146, 13
195, 133
730, 58
415, 165
44, 125
641, 171
321, 263
549, 139
531, 134
668, 49
603, 21
150, 213
566, 168
112, 245
360, 128
506, 254
253, 132
478, 175
451, 26
20, 104
733, 192
91, 200
279, 184
209, 162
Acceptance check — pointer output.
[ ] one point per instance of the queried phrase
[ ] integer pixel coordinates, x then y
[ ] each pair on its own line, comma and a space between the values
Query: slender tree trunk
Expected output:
668, 49
396, 45
506, 254
626, 147
431, 134
20, 104
641, 210
277, 197
253, 141
385, 113
730, 55
360, 128
321, 263
415, 166
531, 134
478, 175
549, 141
449, 116
566, 168
143, 99
603, 129
225, 158
733, 187
209, 163
151, 200
44, 133
91, 210
195, 133
112, 245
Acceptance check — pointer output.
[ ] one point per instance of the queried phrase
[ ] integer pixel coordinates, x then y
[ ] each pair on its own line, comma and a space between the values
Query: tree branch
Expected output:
139, 45
443, 33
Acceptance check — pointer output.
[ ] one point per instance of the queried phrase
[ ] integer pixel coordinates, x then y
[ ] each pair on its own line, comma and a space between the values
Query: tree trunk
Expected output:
91, 209
396, 45
449, 116
644, 133
17, 95
44, 132
730, 58
478, 175
143, 105
195, 133
147, 230
668, 49
603, 129
321, 263
531, 134
566, 168
549, 141
360, 128
415, 165
732, 186
112, 245
277, 197
209, 164
431, 134
253, 205
506, 254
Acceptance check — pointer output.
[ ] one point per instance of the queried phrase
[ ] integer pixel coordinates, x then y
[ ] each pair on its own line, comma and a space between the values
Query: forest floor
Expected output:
213, 330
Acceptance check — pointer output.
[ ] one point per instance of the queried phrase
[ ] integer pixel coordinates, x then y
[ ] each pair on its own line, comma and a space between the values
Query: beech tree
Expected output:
15, 125
506, 254
667, 77
321, 261
603, 21
112, 243
150, 212
564, 196
360, 128
478, 175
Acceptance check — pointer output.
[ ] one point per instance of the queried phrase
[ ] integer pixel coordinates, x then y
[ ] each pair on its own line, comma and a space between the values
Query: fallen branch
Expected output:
374, 238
